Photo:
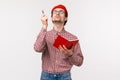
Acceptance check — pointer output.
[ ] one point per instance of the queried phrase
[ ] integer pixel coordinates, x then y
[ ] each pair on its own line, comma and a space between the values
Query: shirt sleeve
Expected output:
77, 57
40, 43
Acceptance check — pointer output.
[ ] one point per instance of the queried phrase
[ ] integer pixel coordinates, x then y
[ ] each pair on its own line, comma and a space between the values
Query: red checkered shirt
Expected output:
53, 60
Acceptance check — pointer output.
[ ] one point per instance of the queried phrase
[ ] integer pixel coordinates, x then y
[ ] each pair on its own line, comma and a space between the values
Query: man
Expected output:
57, 62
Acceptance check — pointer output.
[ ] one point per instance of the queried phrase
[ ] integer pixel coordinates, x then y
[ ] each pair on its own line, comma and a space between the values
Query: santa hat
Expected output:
62, 7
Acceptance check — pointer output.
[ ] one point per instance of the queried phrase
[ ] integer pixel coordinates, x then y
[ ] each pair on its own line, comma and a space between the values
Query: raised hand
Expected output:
44, 20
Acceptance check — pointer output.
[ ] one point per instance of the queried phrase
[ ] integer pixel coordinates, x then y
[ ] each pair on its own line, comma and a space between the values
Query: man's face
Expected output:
59, 15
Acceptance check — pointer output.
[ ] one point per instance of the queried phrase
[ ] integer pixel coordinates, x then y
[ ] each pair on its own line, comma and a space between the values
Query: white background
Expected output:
95, 22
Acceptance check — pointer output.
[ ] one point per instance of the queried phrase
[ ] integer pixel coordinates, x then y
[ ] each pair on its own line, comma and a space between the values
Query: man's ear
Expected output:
66, 18
51, 17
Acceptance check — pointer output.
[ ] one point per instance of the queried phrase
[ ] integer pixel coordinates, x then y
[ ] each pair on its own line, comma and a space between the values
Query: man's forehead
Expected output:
58, 9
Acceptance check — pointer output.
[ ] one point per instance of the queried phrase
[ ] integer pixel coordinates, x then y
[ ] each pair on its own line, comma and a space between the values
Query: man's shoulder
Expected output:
71, 35
50, 31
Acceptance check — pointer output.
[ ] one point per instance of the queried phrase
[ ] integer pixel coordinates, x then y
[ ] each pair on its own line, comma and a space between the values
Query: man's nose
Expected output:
57, 12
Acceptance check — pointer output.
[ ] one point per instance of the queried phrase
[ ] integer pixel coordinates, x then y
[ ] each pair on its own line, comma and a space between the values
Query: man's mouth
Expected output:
57, 16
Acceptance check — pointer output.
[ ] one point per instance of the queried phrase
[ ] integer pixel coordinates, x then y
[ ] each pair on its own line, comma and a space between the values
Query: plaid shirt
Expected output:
53, 60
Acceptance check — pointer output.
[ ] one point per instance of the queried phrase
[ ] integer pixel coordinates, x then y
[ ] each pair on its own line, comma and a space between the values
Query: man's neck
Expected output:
58, 27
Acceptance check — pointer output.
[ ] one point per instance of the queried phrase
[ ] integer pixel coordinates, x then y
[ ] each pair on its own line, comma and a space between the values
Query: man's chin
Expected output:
57, 21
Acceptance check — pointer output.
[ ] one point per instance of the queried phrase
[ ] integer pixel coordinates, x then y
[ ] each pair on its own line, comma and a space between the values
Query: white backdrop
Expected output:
95, 22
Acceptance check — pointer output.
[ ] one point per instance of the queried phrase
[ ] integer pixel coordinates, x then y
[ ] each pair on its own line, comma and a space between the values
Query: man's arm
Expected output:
74, 54
77, 57
40, 43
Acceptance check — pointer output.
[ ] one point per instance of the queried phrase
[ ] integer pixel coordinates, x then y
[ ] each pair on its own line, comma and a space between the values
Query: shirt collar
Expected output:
56, 32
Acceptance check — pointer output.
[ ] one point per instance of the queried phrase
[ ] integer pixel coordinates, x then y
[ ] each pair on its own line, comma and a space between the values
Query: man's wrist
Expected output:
44, 26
